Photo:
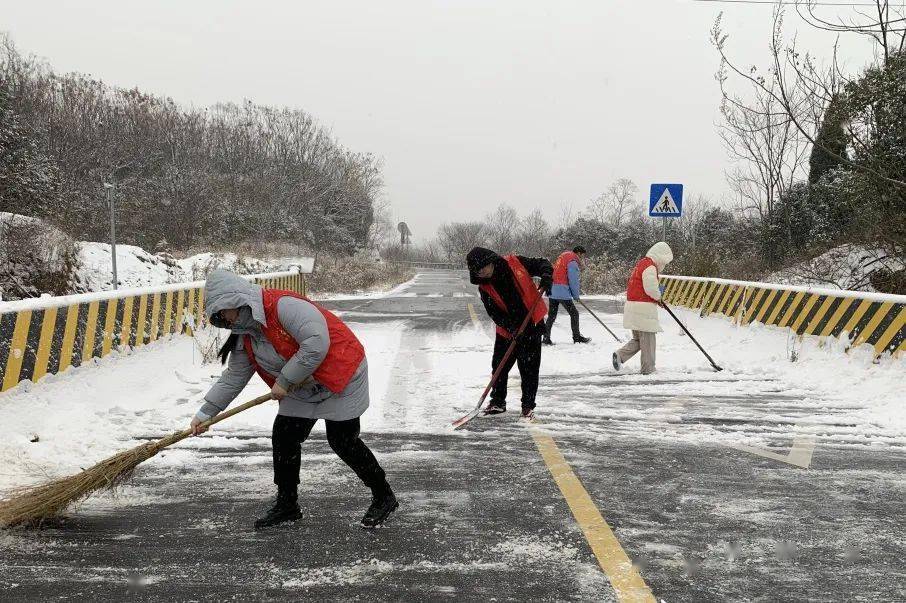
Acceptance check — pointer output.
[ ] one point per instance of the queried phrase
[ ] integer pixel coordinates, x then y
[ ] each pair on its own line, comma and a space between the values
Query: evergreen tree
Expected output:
878, 205
831, 137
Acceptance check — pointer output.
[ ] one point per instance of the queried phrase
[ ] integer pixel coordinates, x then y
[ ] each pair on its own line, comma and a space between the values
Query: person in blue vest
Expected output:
564, 291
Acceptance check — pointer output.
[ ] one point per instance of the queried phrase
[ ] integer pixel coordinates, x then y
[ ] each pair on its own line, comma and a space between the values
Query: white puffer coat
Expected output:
643, 316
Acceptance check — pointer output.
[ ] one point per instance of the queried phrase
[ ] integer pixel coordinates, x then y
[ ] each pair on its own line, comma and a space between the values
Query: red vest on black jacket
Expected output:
635, 291
344, 355
527, 291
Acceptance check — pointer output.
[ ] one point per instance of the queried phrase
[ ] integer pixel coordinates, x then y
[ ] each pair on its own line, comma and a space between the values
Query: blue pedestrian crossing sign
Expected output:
666, 201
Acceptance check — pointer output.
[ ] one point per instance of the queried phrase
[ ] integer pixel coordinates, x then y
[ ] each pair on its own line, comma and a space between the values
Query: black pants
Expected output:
573, 315
528, 356
343, 437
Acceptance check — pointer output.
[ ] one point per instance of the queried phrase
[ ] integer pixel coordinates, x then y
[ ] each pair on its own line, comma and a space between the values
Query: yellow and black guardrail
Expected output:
48, 335
866, 318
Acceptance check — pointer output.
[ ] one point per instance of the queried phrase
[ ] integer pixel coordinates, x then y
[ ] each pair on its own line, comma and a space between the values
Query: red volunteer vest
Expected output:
344, 355
634, 290
527, 291
561, 267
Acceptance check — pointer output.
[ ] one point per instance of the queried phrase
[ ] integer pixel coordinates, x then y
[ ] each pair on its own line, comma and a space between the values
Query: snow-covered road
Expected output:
771, 479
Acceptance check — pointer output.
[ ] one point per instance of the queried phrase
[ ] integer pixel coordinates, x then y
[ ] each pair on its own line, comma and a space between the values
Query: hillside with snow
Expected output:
853, 267
139, 268
37, 258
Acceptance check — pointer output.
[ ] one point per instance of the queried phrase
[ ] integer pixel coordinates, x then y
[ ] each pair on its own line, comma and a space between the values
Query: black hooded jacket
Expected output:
505, 284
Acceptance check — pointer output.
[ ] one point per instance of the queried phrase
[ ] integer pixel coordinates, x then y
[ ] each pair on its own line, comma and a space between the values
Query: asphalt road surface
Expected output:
482, 516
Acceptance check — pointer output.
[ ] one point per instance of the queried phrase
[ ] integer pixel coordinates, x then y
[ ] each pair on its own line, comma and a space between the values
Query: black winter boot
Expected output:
547, 340
285, 509
494, 408
383, 503
581, 339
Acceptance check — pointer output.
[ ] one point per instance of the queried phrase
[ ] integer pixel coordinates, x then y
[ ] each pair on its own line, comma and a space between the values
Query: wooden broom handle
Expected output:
181, 435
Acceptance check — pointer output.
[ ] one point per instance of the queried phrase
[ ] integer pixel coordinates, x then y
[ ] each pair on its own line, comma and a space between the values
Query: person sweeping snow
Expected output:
565, 289
509, 294
640, 315
316, 368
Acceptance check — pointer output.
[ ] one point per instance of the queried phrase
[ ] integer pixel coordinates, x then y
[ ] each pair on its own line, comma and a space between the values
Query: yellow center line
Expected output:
626, 581
474, 316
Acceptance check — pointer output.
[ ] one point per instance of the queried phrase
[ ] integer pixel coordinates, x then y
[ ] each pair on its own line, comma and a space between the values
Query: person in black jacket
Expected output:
508, 306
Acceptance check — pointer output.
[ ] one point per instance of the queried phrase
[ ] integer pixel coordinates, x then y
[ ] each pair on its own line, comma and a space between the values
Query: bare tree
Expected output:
690, 222
457, 238
770, 152
884, 23
501, 228
800, 89
614, 206
567, 215
534, 234
231, 172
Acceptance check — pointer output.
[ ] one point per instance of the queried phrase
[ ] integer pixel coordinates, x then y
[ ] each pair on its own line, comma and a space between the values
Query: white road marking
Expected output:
800, 454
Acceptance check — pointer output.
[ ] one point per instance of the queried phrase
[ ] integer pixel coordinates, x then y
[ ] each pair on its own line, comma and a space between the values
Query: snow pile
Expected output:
138, 268
135, 268
845, 267
198, 266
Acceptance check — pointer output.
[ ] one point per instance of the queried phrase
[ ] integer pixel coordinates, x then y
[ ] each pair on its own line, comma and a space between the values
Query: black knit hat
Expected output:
478, 258
579, 249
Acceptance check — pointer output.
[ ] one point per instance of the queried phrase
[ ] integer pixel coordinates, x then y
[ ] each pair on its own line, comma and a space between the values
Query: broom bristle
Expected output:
32, 506
36, 504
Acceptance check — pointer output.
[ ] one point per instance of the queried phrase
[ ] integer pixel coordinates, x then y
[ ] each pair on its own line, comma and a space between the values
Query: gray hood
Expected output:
225, 290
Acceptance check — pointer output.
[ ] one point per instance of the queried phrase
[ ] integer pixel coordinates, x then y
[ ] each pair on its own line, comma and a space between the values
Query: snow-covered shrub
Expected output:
605, 275
198, 266
347, 275
854, 267
35, 258
207, 341
886, 280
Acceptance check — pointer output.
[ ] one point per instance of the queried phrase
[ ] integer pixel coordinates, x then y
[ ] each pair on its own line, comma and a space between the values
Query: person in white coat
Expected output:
640, 315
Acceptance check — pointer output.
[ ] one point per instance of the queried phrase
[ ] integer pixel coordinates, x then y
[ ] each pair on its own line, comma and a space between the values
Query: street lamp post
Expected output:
111, 196
117, 176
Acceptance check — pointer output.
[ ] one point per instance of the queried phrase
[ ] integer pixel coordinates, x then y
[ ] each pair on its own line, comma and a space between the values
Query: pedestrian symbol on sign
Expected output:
666, 200
666, 204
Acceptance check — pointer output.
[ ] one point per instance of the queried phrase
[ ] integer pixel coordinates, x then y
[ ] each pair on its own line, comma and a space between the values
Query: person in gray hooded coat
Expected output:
317, 370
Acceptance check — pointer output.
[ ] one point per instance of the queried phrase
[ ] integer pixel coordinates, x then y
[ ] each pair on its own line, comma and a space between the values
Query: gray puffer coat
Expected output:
225, 290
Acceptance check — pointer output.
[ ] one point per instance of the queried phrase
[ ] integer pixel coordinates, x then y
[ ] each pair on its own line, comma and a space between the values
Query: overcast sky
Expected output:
469, 103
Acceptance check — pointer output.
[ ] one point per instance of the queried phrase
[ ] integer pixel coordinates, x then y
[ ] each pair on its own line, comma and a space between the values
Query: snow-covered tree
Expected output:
28, 179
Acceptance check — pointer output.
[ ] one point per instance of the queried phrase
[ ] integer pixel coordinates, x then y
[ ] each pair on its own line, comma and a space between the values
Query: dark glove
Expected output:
547, 283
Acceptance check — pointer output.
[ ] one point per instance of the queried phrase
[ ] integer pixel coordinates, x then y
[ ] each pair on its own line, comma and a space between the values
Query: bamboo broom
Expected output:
34, 505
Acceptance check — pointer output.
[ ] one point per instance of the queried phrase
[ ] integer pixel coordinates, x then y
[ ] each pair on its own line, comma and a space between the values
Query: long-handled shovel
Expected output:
34, 505
683, 327
474, 412
590, 311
